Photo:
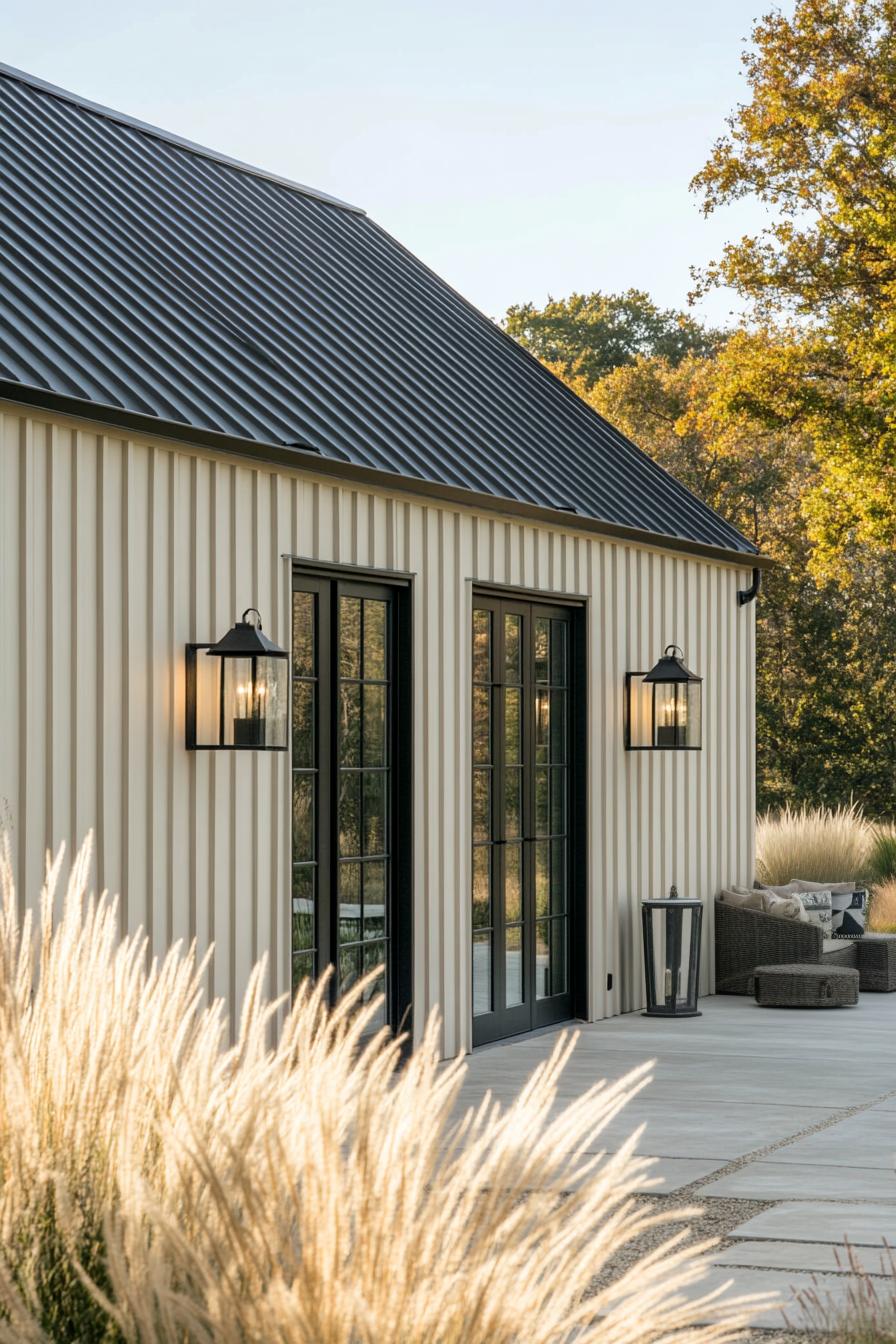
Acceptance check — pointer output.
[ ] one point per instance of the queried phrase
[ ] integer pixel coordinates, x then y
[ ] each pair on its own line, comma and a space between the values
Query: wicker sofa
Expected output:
748, 938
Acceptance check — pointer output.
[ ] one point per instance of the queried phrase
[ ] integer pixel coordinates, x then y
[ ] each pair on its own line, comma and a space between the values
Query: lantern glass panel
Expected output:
207, 673
640, 711
253, 701
694, 711
671, 949
670, 713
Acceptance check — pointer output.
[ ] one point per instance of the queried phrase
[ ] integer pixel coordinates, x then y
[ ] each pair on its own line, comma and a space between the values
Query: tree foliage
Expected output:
584, 336
816, 144
724, 425
826, 654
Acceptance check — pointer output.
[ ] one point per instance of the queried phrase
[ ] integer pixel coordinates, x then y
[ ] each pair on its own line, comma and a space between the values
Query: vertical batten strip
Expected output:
219, 767
160, 707
34, 652
466, 546
451, 831
11, 650
432, 779
59, 636
244, 837
415, 562
80, 729
183, 857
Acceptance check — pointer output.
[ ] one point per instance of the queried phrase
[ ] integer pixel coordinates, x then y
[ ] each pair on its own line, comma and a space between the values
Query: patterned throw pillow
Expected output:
849, 906
848, 913
818, 906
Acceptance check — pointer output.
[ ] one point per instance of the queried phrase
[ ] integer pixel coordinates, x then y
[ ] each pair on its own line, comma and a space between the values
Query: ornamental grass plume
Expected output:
158, 1184
866, 1312
882, 911
819, 844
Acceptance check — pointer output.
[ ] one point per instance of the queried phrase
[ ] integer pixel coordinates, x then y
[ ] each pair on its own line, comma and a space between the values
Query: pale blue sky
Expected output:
519, 148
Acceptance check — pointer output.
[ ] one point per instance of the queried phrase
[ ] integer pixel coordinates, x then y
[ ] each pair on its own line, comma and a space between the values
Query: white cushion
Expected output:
787, 890
743, 900
785, 907
835, 888
781, 907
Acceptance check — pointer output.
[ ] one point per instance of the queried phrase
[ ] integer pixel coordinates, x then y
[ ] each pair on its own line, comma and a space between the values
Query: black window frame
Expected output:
329, 584
533, 1014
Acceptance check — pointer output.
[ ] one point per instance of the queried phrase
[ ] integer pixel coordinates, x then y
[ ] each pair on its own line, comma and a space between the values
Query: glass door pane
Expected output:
521, 816
351, 795
304, 785
551, 835
483, 826
363, 791
514, 795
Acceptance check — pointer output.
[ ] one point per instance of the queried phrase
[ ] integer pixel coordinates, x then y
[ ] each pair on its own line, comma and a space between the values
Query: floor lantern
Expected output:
672, 955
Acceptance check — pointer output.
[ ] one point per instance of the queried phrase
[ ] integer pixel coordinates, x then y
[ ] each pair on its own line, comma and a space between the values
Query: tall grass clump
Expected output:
882, 855
820, 844
868, 1313
158, 1184
882, 909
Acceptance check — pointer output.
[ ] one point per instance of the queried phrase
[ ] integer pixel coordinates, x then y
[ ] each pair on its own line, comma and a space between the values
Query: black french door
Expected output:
350, 806
527, 906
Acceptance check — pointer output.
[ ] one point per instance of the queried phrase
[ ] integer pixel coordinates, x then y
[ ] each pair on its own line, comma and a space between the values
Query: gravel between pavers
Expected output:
716, 1222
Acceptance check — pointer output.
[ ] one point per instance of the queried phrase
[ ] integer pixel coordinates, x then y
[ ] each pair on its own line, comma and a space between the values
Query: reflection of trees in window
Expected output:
304, 785
364, 785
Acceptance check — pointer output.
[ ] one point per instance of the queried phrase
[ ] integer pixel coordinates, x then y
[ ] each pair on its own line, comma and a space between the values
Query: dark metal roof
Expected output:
141, 272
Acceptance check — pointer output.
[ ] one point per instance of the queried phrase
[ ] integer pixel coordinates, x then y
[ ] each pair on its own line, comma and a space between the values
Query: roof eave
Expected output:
297, 458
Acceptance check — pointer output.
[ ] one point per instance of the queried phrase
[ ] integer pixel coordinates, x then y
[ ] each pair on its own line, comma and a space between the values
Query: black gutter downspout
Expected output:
750, 594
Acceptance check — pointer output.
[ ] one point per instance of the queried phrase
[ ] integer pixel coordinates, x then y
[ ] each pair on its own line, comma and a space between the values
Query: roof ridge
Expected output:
201, 151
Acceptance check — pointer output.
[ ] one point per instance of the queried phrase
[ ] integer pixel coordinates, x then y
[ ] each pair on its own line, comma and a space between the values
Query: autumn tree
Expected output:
816, 144
586, 335
826, 654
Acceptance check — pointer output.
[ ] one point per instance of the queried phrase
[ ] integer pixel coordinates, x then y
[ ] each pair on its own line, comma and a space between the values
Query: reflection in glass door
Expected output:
522, 776
350, 714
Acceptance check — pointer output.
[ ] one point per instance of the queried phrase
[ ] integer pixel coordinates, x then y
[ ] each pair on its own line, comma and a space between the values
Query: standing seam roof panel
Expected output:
165, 280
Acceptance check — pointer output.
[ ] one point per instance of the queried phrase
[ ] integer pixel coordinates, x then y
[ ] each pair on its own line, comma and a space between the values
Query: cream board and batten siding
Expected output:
116, 551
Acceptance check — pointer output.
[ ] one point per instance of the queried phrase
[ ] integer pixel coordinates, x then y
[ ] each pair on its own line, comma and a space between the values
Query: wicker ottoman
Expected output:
877, 962
806, 986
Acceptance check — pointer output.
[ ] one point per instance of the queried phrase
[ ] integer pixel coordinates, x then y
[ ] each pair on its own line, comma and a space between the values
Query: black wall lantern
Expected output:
238, 691
664, 707
672, 955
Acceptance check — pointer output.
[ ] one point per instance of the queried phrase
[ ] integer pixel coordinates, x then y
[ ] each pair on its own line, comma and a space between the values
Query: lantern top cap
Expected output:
671, 668
670, 903
246, 639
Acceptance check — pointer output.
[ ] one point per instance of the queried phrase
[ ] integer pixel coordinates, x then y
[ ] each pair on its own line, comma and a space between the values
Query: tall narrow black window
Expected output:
351, 778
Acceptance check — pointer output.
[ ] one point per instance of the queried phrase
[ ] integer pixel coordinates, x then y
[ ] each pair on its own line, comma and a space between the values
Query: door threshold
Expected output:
528, 1035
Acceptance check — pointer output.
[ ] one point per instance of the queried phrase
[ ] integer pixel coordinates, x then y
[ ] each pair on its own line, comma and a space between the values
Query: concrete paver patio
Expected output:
792, 1107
